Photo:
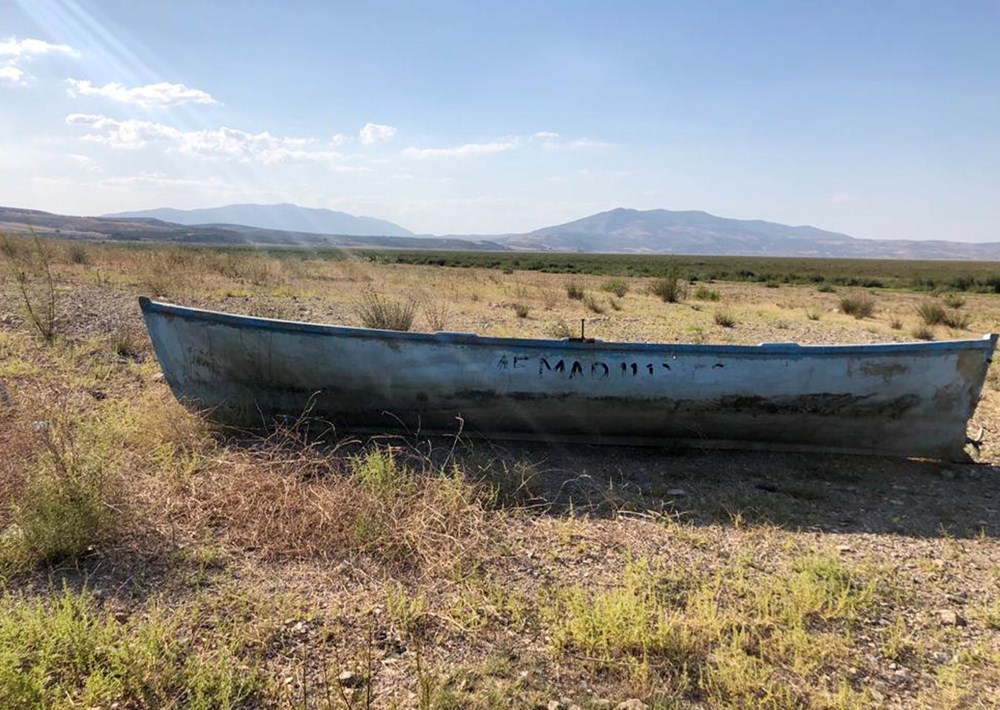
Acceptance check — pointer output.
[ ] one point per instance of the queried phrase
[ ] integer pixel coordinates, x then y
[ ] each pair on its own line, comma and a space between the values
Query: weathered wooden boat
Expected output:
907, 399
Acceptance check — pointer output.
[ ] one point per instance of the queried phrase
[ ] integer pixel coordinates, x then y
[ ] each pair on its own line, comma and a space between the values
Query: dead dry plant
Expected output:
378, 311
29, 264
284, 499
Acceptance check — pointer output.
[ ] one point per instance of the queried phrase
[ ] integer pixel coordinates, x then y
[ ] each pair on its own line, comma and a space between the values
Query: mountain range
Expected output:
693, 232
615, 231
145, 229
284, 217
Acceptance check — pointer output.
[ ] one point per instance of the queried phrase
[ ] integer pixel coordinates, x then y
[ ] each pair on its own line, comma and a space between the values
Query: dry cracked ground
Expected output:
148, 559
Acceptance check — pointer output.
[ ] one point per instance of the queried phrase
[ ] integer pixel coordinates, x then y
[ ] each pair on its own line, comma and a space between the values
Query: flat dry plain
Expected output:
149, 560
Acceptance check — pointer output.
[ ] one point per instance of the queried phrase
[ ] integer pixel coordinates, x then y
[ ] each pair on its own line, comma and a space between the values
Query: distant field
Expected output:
982, 277
930, 276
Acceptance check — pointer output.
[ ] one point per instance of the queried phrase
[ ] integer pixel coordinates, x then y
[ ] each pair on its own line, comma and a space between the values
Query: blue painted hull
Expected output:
909, 399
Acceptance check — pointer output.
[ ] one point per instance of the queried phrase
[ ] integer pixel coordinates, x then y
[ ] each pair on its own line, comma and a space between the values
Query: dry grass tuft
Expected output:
859, 305
933, 313
306, 504
574, 291
437, 315
377, 311
725, 319
593, 305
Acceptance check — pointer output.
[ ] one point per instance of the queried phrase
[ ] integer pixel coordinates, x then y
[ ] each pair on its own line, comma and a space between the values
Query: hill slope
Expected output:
284, 217
155, 230
692, 232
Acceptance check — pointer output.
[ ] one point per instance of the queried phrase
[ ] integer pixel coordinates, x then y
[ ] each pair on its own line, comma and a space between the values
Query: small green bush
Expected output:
522, 310
67, 502
615, 286
574, 291
669, 287
66, 651
703, 293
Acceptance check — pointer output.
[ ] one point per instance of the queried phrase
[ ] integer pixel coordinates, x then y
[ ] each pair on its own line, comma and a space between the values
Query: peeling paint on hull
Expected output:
911, 399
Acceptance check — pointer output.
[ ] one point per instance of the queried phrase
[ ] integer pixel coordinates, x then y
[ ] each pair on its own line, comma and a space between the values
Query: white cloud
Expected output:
158, 179
27, 48
129, 134
842, 198
214, 143
573, 145
372, 133
463, 151
159, 94
10, 75
14, 52
549, 141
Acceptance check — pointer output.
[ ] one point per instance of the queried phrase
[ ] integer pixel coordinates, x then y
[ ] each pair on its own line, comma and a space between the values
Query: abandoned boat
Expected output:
904, 399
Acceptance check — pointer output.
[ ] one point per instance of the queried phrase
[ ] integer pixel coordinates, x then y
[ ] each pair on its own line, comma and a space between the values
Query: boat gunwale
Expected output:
986, 343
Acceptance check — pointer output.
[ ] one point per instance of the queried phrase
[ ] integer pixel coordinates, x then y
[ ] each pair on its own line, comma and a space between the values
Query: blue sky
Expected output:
878, 119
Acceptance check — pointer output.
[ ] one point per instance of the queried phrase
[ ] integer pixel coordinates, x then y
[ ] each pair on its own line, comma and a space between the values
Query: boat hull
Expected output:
901, 399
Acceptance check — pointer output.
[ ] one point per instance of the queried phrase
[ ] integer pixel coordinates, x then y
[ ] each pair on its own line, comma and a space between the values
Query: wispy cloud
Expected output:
547, 140
27, 48
842, 198
158, 179
463, 151
554, 145
372, 133
10, 74
149, 95
14, 53
215, 143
